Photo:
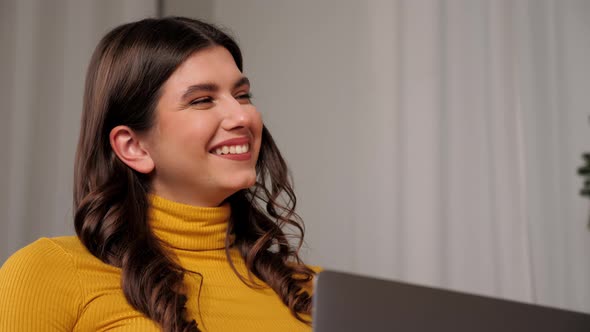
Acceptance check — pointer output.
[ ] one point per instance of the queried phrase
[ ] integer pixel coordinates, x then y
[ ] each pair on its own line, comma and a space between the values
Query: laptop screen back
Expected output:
346, 303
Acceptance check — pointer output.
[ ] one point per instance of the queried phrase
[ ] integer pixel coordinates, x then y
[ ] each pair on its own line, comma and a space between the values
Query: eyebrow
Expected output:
212, 87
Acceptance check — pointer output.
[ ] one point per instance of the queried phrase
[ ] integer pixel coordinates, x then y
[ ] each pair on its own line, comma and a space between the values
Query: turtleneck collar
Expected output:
188, 227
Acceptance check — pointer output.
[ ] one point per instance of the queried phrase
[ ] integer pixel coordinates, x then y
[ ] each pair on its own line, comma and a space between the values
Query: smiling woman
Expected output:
205, 106
177, 198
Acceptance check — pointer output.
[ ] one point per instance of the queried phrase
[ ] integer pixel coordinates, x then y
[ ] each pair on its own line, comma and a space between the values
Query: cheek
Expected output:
257, 124
257, 129
192, 132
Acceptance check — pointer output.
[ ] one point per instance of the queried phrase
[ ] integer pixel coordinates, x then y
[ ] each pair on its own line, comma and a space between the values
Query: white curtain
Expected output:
45, 49
432, 141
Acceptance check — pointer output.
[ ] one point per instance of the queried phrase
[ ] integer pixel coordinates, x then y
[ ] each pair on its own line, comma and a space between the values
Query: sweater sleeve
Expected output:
39, 289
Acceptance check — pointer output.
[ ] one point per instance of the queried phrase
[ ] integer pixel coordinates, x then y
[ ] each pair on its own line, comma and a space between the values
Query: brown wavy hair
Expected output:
123, 85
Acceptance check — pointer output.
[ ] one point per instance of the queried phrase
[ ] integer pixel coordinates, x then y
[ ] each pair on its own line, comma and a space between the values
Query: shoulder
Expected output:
34, 254
43, 254
309, 285
316, 269
43, 262
41, 278
46, 262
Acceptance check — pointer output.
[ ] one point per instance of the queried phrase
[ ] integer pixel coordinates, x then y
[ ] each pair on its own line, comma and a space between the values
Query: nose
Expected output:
236, 115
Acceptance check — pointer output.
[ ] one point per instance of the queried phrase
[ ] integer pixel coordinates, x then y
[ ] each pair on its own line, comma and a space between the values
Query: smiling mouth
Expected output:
231, 149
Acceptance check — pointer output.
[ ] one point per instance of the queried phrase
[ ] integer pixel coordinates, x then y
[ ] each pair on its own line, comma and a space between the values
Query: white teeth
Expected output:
233, 149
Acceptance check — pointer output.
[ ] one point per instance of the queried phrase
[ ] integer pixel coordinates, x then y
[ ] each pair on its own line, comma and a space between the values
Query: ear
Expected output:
127, 146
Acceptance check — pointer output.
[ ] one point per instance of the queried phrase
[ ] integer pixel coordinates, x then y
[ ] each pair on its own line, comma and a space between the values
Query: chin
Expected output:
244, 182
249, 182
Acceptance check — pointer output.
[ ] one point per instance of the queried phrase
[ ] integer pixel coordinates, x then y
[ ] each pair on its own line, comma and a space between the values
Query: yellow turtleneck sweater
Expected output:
57, 285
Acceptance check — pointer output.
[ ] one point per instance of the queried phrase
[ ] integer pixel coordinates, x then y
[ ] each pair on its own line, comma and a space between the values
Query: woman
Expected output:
180, 196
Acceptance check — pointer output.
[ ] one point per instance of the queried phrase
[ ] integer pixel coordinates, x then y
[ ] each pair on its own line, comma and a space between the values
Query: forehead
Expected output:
211, 65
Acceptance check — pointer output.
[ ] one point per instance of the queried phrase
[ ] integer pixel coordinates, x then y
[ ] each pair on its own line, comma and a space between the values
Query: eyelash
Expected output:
247, 96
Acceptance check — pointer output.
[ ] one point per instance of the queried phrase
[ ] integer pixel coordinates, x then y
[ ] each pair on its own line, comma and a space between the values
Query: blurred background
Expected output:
431, 141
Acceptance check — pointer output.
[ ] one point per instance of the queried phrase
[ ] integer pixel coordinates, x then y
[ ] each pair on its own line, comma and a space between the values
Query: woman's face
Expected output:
207, 134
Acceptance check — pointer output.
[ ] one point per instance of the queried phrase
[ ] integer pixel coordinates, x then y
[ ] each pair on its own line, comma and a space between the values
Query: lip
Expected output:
231, 141
241, 156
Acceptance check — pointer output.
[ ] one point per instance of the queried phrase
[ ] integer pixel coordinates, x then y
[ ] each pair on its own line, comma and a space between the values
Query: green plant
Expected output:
584, 171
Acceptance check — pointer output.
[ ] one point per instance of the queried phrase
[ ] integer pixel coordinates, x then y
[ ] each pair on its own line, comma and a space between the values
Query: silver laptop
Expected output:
347, 303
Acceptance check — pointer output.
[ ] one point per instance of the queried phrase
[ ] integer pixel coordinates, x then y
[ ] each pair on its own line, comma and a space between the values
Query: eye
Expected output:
202, 101
245, 97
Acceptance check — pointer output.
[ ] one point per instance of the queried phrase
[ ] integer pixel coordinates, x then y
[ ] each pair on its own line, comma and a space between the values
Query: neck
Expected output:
188, 197
188, 227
